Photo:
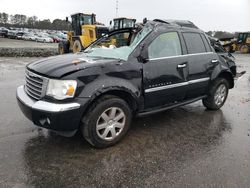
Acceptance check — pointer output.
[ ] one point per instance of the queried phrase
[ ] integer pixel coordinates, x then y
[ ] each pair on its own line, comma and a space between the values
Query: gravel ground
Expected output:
20, 48
12, 43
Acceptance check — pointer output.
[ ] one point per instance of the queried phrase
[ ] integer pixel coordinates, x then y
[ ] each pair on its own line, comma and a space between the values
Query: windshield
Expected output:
118, 45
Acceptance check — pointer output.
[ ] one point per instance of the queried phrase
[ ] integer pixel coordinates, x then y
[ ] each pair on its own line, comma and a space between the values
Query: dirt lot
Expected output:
20, 48
184, 147
12, 43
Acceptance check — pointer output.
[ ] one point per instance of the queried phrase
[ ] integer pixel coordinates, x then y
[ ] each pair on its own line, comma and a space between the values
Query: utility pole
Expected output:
117, 6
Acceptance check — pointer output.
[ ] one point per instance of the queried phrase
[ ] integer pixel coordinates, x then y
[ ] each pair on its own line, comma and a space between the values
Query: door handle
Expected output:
214, 61
182, 65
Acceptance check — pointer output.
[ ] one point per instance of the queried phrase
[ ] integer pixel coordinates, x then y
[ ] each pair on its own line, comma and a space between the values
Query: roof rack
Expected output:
181, 23
162, 21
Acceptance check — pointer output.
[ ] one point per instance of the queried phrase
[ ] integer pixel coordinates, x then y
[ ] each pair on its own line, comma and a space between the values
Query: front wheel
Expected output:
217, 94
77, 46
106, 122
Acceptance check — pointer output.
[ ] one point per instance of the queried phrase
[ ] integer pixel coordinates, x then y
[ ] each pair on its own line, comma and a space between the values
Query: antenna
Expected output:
117, 6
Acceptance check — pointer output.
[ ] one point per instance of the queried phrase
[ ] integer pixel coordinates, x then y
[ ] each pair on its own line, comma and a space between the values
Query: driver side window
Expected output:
165, 45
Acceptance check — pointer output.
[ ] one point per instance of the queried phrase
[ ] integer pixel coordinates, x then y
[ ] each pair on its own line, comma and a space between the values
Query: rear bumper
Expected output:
58, 117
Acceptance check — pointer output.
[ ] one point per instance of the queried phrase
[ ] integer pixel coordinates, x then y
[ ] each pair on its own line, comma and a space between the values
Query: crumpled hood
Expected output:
57, 66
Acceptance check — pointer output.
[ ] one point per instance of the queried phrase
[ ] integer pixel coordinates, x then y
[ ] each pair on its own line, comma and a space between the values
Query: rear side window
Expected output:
205, 41
194, 43
165, 45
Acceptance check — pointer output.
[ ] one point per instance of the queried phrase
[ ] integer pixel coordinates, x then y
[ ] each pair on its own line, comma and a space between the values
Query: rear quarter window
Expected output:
194, 43
206, 43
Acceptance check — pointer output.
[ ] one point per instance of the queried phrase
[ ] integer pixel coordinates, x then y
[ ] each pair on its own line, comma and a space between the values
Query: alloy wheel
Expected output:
110, 123
220, 94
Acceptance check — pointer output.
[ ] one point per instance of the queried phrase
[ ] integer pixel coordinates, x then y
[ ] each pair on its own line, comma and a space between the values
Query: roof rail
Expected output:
162, 21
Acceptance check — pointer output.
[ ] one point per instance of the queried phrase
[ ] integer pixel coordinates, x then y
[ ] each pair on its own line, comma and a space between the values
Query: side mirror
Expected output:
67, 19
110, 23
140, 53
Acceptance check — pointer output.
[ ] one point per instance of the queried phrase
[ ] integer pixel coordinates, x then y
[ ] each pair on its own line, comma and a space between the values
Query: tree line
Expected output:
23, 21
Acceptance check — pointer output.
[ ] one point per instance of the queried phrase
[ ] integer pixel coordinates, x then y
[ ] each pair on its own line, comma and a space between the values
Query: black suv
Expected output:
127, 73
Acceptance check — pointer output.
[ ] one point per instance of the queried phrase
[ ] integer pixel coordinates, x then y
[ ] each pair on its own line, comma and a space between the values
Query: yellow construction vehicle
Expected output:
122, 22
242, 43
85, 30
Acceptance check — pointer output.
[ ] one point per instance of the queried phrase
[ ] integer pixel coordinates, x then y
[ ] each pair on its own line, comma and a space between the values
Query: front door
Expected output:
165, 72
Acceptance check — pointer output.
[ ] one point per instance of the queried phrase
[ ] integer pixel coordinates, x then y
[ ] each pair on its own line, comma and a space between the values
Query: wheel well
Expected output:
228, 77
126, 96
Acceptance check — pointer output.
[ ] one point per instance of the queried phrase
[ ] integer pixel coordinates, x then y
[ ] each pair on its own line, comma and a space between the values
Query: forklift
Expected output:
85, 30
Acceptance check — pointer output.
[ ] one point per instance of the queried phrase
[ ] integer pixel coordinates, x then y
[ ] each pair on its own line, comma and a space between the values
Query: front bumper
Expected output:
58, 117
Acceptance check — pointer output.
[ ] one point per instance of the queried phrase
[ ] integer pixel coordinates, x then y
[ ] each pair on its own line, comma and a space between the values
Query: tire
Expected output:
228, 48
63, 47
217, 94
77, 46
113, 117
244, 49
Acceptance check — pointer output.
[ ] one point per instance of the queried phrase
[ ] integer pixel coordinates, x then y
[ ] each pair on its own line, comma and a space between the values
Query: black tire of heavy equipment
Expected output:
209, 101
88, 127
63, 45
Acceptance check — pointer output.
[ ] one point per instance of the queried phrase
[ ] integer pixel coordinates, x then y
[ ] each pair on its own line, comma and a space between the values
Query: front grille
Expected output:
35, 85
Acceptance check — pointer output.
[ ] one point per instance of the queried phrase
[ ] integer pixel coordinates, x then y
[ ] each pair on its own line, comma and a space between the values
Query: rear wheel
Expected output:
106, 122
217, 94
244, 49
63, 47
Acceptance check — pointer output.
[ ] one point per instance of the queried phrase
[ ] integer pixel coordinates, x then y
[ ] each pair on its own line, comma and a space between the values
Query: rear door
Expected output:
201, 62
164, 74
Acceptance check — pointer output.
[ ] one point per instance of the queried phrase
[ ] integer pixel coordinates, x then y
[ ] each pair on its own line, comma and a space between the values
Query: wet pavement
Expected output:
182, 147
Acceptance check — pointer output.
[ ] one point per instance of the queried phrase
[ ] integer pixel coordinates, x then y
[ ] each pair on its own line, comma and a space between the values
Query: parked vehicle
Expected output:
43, 38
84, 31
20, 34
29, 36
98, 91
3, 32
56, 38
122, 22
12, 34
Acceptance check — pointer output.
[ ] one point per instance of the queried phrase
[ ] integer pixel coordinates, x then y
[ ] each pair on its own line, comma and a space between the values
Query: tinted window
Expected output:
165, 45
194, 43
205, 41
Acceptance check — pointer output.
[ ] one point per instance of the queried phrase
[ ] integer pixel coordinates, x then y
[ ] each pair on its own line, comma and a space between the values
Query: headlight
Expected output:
61, 89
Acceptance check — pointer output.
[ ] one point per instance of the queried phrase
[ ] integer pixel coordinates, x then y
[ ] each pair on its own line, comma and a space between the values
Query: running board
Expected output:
149, 112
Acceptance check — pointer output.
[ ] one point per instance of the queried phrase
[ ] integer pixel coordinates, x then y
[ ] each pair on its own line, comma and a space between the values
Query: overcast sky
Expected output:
226, 15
